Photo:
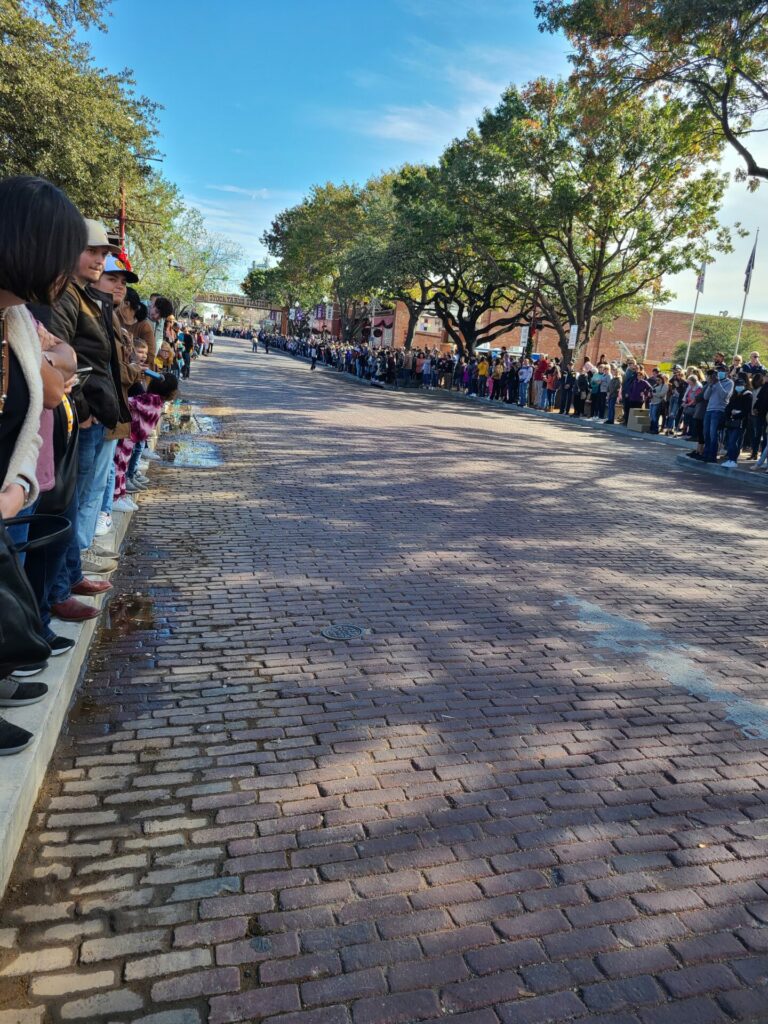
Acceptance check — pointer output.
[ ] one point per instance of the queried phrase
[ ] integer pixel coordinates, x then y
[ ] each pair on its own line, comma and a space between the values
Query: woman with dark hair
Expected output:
134, 318
41, 237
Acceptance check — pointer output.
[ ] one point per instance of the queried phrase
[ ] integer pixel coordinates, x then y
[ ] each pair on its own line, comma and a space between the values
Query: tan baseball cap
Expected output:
97, 236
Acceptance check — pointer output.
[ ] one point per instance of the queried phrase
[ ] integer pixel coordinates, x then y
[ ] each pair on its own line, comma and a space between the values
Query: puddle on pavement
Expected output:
180, 442
130, 626
189, 454
128, 613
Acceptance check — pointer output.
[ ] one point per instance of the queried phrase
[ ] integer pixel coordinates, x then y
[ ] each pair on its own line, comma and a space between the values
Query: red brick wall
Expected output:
669, 328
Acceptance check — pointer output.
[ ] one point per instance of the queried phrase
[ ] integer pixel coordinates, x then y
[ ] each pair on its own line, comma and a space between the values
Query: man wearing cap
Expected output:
83, 318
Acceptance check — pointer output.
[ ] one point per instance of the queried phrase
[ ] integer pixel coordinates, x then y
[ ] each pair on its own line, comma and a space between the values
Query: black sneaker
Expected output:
12, 738
25, 693
29, 670
60, 645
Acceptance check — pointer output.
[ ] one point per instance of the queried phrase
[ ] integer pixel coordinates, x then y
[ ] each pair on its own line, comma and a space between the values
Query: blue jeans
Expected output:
109, 489
611, 417
54, 569
133, 461
674, 409
713, 420
653, 412
94, 459
522, 393
734, 437
20, 534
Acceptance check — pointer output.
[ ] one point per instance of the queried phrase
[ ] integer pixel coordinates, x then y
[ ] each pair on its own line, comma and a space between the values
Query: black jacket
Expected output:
83, 317
739, 409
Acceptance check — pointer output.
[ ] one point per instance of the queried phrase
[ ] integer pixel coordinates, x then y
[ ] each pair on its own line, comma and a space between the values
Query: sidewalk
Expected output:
22, 774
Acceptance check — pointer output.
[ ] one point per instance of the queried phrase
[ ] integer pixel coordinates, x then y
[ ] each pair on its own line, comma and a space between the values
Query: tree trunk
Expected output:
413, 319
469, 335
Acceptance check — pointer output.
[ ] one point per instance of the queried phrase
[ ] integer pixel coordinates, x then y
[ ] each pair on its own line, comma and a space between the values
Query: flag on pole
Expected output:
750, 268
700, 278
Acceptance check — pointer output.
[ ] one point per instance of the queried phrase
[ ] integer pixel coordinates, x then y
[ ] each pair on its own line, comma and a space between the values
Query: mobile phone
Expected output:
152, 373
83, 373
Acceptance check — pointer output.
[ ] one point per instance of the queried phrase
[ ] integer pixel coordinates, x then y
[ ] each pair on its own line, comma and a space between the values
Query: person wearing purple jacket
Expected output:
636, 393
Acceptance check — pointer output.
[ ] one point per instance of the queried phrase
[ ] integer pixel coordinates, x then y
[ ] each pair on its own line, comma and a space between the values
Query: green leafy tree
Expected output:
65, 119
390, 259
598, 202
710, 54
714, 334
312, 241
191, 260
471, 270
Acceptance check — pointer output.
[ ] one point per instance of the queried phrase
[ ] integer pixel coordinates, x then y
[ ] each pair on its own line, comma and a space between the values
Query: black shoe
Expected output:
12, 738
29, 670
60, 645
24, 694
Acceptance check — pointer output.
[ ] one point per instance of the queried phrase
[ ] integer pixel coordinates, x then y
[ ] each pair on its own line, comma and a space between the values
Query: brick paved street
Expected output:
535, 790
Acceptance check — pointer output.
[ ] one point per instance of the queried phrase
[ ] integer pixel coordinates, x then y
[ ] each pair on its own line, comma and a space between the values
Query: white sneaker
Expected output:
140, 477
103, 524
151, 456
728, 464
125, 504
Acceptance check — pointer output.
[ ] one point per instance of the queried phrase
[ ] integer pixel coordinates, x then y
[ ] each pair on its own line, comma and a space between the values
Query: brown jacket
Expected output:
129, 374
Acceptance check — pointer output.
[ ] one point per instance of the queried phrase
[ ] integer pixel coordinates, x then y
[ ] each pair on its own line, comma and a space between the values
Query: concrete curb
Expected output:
23, 774
744, 476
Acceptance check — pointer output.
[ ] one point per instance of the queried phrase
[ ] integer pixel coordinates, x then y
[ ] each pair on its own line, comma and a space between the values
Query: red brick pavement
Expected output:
511, 801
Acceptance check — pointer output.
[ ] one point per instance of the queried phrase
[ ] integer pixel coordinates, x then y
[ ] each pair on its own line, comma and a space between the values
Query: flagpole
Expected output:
741, 323
690, 333
747, 286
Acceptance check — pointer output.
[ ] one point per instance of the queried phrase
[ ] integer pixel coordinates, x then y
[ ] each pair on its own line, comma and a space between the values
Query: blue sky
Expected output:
263, 98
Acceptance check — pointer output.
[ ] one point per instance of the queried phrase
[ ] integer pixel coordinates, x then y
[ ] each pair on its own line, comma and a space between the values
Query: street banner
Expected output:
524, 331
573, 336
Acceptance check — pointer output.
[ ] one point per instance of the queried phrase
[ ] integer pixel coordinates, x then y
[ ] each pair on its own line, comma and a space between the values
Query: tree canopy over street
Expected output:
562, 207
710, 54
91, 133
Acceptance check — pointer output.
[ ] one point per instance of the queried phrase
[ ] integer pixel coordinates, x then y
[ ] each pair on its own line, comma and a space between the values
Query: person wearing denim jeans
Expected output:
733, 439
713, 421
524, 379
717, 394
94, 460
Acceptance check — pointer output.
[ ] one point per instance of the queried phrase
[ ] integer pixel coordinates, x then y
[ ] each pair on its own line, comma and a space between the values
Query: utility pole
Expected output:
121, 219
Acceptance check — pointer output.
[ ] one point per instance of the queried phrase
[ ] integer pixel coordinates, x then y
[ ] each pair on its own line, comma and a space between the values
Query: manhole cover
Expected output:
344, 631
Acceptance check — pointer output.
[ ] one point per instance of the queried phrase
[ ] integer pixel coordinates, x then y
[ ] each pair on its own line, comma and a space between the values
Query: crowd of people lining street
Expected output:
86, 368
723, 406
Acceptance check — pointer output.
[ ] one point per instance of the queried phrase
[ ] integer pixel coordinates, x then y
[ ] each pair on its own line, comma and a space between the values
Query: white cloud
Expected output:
255, 193
724, 285
473, 77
